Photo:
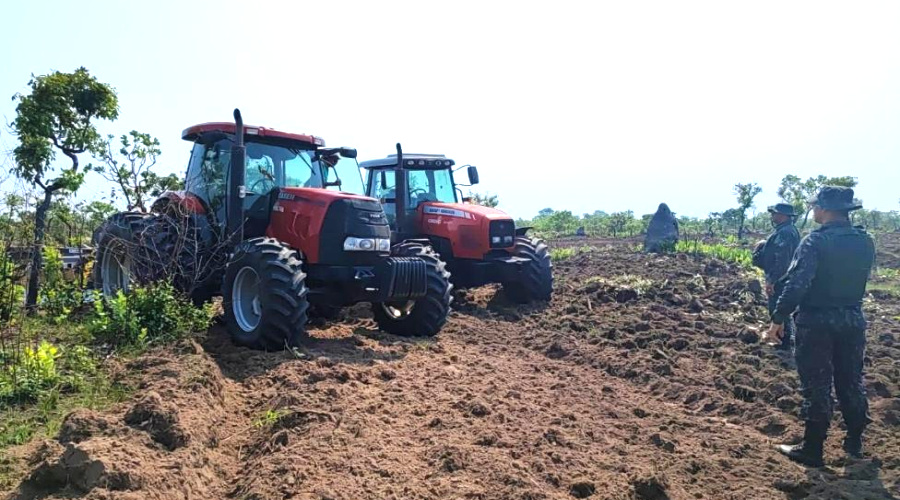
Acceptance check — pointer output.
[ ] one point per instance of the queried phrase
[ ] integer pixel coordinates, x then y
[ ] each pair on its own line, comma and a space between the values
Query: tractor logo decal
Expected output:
450, 212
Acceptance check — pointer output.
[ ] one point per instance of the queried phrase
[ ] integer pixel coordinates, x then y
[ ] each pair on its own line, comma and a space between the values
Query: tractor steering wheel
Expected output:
413, 191
252, 188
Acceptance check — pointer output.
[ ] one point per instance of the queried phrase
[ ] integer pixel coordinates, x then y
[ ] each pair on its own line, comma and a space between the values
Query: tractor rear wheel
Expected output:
265, 296
535, 281
121, 257
187, 245
426, 315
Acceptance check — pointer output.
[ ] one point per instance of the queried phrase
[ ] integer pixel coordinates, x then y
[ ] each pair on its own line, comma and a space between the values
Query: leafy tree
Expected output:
485, 200
561, 223
96, 212
618, 222
57, 115
130, 167
796, 191
731, 219
745, 193
713, 224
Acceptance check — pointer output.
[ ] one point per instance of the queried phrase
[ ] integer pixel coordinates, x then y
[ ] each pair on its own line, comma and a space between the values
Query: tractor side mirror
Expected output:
473, 175
383, 180
348, 152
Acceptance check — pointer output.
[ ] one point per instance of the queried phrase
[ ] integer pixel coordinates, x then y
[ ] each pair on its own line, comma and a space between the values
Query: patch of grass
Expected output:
560, 254
637, 283
892, 289
21, 423
736, 255
887, 273
269, 419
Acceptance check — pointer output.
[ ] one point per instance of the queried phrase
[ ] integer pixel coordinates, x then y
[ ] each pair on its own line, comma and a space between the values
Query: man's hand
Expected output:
770, 289
775, 331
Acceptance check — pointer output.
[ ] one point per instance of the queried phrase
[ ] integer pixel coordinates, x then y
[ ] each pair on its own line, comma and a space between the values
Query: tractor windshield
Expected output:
341, 174
430, 185
269, 165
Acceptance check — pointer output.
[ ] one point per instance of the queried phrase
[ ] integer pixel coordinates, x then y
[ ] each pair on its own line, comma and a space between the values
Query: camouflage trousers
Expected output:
829, 352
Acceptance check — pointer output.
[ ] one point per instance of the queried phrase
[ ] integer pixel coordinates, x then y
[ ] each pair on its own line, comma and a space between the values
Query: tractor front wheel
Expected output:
426, 315
535, 281
265, 296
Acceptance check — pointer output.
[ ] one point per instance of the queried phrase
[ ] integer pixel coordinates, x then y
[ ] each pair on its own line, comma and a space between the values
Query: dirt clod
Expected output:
582, 489
151, 415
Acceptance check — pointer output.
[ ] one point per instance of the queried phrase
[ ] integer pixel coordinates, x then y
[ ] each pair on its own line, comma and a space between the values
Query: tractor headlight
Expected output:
508, 240
354, 244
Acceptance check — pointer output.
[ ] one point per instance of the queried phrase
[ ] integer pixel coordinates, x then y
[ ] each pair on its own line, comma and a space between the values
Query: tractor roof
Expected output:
412, 161
192, 133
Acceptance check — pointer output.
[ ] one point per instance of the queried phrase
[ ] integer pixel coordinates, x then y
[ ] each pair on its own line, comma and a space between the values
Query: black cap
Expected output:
783, 208
836, 198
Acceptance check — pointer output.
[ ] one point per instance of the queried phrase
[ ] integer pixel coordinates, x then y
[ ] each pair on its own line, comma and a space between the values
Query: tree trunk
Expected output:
37, 257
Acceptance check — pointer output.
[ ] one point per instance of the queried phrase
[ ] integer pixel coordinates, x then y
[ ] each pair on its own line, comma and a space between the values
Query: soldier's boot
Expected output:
809, 452
853, 443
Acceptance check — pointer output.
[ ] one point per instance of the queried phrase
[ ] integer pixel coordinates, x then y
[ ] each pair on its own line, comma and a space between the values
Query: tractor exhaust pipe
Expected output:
236, 188
401, 193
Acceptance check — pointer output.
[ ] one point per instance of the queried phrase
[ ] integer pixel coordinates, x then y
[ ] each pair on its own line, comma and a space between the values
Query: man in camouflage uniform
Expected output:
827, 281
774, 257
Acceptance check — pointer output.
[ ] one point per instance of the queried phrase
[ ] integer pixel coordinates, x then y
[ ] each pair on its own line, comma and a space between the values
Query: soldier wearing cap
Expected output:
825, 284
774, 257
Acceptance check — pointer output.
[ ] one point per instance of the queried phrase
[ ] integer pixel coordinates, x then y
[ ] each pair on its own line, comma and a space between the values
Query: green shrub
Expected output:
887, 273
559, 254
29, 373
58, 297
145, 315
12, 294
736, 255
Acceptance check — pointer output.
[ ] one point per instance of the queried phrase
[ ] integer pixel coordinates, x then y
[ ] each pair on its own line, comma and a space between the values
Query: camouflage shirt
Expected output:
774, 258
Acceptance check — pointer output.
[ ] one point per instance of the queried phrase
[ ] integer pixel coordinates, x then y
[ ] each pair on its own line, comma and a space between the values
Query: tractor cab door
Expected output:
207, 178
382, 186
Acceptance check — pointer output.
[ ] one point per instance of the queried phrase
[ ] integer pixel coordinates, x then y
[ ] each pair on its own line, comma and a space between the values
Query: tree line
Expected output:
733, 221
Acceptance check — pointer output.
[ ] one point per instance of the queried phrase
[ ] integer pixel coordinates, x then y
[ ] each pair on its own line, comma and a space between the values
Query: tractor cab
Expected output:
274, 160
427, 179
479, 244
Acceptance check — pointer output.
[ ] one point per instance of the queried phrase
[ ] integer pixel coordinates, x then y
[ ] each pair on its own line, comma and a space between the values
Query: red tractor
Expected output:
280, 226
479, 244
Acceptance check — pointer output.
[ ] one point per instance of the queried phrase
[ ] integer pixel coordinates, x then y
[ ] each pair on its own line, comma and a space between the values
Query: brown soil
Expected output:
610, 392
889, 250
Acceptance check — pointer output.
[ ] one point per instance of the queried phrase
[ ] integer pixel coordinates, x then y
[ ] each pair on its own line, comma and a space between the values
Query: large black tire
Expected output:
426, 315
535, 281
187, 244
274, 316
121, 247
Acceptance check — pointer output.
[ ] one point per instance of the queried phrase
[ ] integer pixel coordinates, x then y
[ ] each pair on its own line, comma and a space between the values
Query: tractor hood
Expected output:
464, 210
319, 195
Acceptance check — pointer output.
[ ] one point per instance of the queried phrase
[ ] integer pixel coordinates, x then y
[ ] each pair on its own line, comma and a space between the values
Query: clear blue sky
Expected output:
569, 105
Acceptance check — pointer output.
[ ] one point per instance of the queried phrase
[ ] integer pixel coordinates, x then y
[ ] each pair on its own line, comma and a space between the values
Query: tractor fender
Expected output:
522, 231
182, 201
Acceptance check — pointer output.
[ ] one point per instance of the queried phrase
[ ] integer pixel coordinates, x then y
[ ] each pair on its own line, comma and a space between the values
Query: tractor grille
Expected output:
505, 230
408, 277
